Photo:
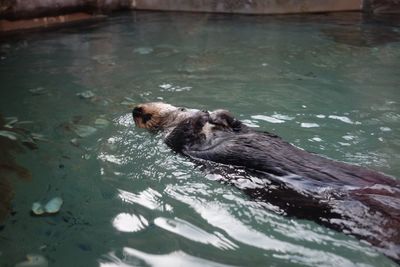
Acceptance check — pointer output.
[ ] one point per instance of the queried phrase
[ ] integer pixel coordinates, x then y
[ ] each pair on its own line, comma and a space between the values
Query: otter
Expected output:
344, 197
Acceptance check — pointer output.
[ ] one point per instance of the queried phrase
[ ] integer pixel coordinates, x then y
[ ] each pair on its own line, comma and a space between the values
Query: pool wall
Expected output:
252, 6
25, 14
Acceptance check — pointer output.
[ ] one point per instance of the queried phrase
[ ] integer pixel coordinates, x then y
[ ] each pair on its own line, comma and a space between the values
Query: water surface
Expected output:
326, 83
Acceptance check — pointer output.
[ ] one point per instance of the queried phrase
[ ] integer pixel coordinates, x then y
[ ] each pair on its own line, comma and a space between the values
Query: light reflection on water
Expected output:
125, 222
190, 231
176, 258
130, 201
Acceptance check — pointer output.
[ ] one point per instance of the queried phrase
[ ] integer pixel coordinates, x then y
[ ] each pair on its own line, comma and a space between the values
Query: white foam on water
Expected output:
282, 117
250, 123
385, 129
341, 118
315, 139
309, 125
267, 119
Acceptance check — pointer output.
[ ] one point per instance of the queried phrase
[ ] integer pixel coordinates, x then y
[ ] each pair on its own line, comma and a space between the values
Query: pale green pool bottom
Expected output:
326, 83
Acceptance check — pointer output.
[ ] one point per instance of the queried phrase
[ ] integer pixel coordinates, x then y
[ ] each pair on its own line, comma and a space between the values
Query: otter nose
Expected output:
137, 111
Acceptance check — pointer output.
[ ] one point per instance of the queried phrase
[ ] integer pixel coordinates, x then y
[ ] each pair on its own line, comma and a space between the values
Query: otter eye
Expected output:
182, 109
146, 118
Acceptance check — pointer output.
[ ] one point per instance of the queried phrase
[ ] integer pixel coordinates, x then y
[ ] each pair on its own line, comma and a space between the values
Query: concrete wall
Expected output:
382, 6
17, 9
251, 6
44, 13
23, 9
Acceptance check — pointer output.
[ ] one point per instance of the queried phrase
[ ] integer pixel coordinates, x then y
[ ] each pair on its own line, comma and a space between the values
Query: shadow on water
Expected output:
12, 140
362, 30
368, 212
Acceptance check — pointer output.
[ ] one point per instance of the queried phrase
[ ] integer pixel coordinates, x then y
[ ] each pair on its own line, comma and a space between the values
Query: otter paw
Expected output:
224, 118
199, 121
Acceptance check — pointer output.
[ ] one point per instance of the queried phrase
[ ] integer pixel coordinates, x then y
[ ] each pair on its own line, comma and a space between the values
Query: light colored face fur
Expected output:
160, 116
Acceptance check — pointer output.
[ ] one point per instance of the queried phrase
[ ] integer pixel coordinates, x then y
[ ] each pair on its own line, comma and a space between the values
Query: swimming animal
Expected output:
348, 198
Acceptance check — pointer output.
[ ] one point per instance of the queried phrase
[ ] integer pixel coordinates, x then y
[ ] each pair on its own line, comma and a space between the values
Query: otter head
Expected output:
157, 116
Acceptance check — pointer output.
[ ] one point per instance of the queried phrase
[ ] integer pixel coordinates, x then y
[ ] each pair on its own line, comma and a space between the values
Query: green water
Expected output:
326, 83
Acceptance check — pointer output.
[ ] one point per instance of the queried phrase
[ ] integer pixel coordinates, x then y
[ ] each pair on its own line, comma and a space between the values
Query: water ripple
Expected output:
173, 259
218, 216
148, 198
192, 232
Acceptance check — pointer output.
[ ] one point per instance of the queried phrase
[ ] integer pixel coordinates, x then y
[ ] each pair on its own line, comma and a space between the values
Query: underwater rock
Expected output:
86, 94
37, 208
54, 205
33, 260
84, 130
